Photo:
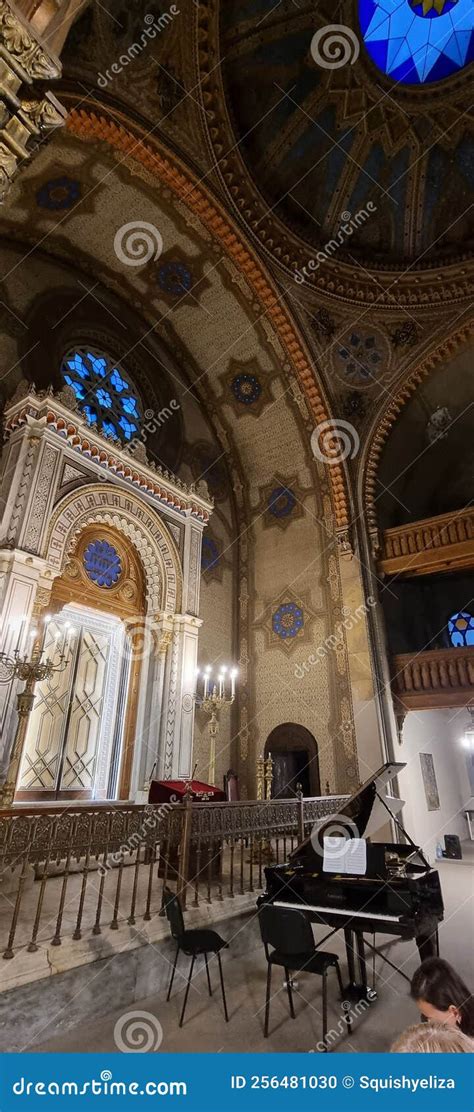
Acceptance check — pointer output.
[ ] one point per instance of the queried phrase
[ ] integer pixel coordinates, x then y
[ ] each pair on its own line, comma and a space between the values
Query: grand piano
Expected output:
348, 882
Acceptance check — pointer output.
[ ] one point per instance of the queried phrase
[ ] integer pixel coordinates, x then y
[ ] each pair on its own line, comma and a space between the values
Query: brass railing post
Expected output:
184, 851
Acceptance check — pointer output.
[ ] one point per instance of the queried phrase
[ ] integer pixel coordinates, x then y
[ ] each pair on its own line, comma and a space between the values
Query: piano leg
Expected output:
357, 990
428, 945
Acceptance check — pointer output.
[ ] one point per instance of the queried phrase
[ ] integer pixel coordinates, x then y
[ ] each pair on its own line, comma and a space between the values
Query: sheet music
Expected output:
345, 855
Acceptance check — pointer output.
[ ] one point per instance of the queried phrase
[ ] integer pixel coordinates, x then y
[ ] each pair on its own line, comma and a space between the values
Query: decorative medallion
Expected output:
354, 406
288, 620
210, 554
102, 563
323, 324
281, 502
405, 335
58, 194
246, 389
418, 41
174, 278
361, 359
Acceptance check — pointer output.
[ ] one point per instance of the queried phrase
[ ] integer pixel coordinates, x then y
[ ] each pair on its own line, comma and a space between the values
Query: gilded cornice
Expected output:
416, 285
95, 123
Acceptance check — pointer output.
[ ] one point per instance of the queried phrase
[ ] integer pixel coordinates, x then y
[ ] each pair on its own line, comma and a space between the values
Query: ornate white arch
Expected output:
106, 504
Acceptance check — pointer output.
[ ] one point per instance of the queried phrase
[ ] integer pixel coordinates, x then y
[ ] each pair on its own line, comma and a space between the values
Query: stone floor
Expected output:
205, 1030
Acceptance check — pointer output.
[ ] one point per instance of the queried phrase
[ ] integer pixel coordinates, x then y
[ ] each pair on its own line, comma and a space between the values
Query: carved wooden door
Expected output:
64, 732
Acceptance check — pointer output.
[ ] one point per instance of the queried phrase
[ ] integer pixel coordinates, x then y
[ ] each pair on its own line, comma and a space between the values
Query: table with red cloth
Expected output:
162, 791
173, 791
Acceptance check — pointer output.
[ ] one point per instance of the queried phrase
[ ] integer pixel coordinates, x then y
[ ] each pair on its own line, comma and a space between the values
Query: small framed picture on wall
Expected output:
429, 781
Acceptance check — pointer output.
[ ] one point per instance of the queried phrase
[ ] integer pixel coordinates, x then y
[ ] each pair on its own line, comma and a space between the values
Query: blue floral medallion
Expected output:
246, 389
281, 502
174, 278
288, 620
102, 563
58, 194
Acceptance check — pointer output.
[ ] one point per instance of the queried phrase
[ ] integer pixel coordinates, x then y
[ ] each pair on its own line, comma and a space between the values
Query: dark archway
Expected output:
295, 760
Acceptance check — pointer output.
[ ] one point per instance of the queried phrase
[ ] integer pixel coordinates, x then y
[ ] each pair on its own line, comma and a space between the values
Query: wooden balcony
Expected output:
437, 544
438, 678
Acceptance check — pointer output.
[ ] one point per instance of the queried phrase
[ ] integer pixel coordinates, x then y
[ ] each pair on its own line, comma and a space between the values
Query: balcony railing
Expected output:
443, 543
438, 678
97, 867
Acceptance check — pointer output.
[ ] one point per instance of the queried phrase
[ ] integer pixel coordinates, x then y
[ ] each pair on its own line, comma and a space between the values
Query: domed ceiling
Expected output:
329, 116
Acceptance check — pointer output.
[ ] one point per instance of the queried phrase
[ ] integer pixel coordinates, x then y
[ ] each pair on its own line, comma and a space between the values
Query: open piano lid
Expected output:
360, 816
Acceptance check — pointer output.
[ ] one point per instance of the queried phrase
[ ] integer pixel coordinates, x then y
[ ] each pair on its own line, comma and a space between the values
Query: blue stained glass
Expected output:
102, 563
90, 414
130, 406
127, 427
105, 395
418, 41
104, 398
110, 429
78, 388
118, 382
461, 629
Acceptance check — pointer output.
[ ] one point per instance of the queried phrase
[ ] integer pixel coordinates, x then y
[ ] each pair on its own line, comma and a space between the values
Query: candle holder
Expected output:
214, 697
32, 671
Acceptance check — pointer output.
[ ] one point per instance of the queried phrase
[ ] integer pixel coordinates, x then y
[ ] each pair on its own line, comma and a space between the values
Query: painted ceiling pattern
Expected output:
321, 140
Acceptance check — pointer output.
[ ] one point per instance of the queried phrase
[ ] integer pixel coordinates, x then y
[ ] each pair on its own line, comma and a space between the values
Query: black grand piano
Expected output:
362, 887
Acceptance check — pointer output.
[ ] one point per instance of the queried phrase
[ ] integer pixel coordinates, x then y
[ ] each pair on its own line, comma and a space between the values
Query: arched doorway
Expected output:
80, 732
295, 760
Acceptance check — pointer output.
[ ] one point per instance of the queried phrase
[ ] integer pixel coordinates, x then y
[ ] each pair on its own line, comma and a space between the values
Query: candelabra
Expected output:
31, 671
214, 697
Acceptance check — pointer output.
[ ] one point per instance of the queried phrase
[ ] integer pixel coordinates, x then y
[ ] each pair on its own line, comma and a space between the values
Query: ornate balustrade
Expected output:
444, 543
438, 678
99, 866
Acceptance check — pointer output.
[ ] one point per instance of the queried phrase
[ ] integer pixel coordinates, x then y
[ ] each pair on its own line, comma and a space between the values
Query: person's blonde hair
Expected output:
432, 1038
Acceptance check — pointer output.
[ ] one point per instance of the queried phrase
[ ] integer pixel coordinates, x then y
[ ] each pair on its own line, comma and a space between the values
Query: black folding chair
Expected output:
289, 933
192, 943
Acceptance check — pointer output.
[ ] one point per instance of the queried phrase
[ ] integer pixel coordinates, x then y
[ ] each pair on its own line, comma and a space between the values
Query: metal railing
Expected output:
94, 867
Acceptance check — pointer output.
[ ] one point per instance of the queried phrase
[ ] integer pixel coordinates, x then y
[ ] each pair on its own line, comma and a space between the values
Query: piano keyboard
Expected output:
347, 912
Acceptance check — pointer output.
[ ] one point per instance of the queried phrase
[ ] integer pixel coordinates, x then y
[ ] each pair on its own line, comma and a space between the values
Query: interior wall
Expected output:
437, 732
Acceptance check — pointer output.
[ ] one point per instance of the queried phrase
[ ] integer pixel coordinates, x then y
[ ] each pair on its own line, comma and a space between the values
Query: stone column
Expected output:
176, 741
20, 576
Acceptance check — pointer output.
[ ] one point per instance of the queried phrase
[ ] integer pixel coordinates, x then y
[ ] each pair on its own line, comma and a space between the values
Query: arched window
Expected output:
104, 393
461, 629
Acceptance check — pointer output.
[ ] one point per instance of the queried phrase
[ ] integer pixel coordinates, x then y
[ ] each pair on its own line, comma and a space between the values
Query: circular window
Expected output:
418, 41
461, 629
102, 563
105, 395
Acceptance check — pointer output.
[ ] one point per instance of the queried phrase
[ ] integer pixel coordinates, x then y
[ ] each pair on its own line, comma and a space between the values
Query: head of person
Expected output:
442, 997
433, 1038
